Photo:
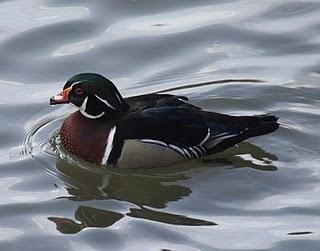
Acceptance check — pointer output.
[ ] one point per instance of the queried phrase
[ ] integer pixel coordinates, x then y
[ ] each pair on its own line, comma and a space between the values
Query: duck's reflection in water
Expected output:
148, 190
87, 217
245, 155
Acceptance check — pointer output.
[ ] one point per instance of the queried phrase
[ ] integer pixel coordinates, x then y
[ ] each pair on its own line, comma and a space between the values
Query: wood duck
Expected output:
146, 131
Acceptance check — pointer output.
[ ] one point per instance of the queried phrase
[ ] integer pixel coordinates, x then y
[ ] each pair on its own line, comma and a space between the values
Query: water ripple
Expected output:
231, 56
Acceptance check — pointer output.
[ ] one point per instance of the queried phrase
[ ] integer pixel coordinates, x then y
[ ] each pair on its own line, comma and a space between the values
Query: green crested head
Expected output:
94, 95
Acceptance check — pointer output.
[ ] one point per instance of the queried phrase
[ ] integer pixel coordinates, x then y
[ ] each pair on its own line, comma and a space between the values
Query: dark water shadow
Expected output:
86, 217
300, 233
245, 155
149, 190
168, 218
217, 82
140, 187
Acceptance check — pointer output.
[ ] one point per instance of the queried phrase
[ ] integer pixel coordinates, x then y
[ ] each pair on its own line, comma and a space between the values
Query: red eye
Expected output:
78, 91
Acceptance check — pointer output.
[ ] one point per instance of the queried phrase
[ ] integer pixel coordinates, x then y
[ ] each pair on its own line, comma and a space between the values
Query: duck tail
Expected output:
267, 124
240, 129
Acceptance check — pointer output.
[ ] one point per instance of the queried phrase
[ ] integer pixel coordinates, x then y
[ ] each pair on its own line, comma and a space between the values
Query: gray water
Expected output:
262, 195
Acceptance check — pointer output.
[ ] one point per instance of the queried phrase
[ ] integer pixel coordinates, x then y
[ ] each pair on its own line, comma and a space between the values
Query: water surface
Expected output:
254, 56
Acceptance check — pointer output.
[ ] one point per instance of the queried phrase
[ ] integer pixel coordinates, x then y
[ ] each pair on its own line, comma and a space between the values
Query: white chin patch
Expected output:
105, 102
83, 108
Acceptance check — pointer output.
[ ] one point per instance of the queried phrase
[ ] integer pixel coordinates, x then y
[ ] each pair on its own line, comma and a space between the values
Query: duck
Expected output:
146, 131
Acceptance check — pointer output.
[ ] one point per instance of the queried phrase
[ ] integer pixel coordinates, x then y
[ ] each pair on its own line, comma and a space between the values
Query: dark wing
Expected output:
146, 101
172, 125
192, 133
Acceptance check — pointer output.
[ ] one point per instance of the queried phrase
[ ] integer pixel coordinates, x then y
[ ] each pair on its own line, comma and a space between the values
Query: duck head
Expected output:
94, 95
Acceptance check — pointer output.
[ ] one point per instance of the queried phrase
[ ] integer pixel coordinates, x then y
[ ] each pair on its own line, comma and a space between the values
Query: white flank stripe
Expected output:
178, 149
218, 140
104, 101
83, 108
152, 141
203, 149
205, 138
199, 150
221, 134
194, 152
187, 153
109, 146
182, 100
119, 98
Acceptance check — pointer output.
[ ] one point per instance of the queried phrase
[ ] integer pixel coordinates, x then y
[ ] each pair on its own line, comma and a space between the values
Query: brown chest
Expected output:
85, 138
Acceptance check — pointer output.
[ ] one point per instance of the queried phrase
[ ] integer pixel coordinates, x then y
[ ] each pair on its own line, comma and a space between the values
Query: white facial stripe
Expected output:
78, 82
84, 104
87, 115
83, 108
74, 83
105, 101
109, 146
